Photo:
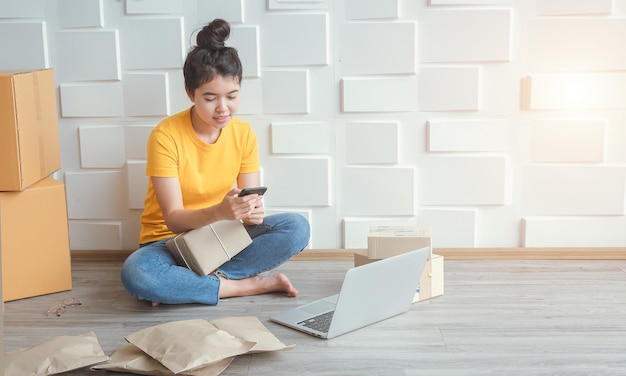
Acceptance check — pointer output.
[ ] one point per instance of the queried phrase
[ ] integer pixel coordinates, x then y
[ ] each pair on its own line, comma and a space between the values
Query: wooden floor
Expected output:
499, 317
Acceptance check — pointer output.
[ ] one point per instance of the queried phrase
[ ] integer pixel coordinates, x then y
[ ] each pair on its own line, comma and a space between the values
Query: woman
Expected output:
194, 159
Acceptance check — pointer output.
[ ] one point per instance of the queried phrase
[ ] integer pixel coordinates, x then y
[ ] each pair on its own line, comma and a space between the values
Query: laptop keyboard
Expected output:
321, 323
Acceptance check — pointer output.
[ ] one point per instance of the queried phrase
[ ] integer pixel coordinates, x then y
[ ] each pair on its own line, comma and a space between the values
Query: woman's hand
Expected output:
247, 208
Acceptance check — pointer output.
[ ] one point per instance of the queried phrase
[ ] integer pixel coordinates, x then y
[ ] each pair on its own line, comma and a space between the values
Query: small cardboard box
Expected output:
204, 249
431, 282
29, 129
387, 241
36, 256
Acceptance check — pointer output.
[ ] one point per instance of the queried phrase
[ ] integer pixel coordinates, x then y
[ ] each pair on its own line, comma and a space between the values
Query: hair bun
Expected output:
213, 36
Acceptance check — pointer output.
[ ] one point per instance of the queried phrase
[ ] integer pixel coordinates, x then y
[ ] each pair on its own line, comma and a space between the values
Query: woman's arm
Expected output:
249, 180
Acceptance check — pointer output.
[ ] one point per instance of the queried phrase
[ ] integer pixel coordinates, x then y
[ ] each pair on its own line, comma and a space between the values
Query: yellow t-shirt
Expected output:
206, 171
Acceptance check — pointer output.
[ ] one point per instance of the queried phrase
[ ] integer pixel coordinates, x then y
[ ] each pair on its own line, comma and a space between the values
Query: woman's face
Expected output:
216, 101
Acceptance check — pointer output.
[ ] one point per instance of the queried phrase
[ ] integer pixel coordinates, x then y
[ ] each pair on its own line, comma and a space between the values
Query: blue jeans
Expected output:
151, 273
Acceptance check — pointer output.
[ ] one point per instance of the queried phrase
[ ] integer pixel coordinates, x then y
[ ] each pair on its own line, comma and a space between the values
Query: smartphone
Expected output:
249, 191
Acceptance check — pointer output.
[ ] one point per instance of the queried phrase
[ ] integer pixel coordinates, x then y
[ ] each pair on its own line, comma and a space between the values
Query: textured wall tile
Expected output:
286, 92
468, 135
296, 182
230, 10
136, 139
251, 102
152, 43
449, 89
463, 181
372, 142
574, 7
372, 9
295, 39
573, 190
357, 94
579, 47
88, 55
80, 13
102, 146
14, 55
574, 91
451, 228
378, 191
137, 183
574, 232
355, 230
461, 35
154, 6
95, 235
397, 57
469, 2
568, 140
22, 9
91, 100
95, 195
301, 138
297, 4
246, 40
178, 99
146, 94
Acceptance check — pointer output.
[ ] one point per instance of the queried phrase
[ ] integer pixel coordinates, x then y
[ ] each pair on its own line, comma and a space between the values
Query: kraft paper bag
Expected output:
251, 329
187, 345
131, 359
58, 355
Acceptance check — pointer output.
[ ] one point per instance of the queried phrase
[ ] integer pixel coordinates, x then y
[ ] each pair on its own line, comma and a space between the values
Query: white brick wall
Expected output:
501, 123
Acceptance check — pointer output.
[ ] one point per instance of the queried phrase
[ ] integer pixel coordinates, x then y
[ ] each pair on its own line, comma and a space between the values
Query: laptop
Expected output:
370, 293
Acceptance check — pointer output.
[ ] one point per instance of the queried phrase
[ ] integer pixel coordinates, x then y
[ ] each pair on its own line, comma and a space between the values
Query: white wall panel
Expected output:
468, 135
390, 58
178, 99
463, 181
230, 10
451, 228
600, 91
469, 2
574, 190
297, 4
102, 146
359, 10
286, 92
91, 100
301, 138
154, 6
246, 40
95, 235
449, 88
568, 140
88, 55
588, 44
80, 13
355, 230
152, 43
357, 94
295, 39
137, 183
378, 191
251, 101
574, 232
460, 35
136, 139
14, 55
22, 9
372, 142
297, 182
574, 7
146, 94
95, 194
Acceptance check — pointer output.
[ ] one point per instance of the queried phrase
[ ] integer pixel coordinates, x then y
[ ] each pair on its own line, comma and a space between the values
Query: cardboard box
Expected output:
35, 241
387, 241
204, 249
29, 129
431, 282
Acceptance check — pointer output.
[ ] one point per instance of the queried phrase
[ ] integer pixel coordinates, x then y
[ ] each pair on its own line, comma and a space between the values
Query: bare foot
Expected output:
256, 285
155, 304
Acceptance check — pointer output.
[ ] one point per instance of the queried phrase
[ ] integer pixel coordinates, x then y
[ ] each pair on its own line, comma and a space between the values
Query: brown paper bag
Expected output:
58, 355
131, 359
249, 328
187, 345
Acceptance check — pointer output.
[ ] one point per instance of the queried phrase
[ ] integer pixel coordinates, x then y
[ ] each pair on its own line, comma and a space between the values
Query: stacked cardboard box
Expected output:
33, 211
388, 241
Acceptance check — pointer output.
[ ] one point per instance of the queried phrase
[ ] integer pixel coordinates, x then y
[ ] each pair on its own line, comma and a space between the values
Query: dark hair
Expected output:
210, 57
